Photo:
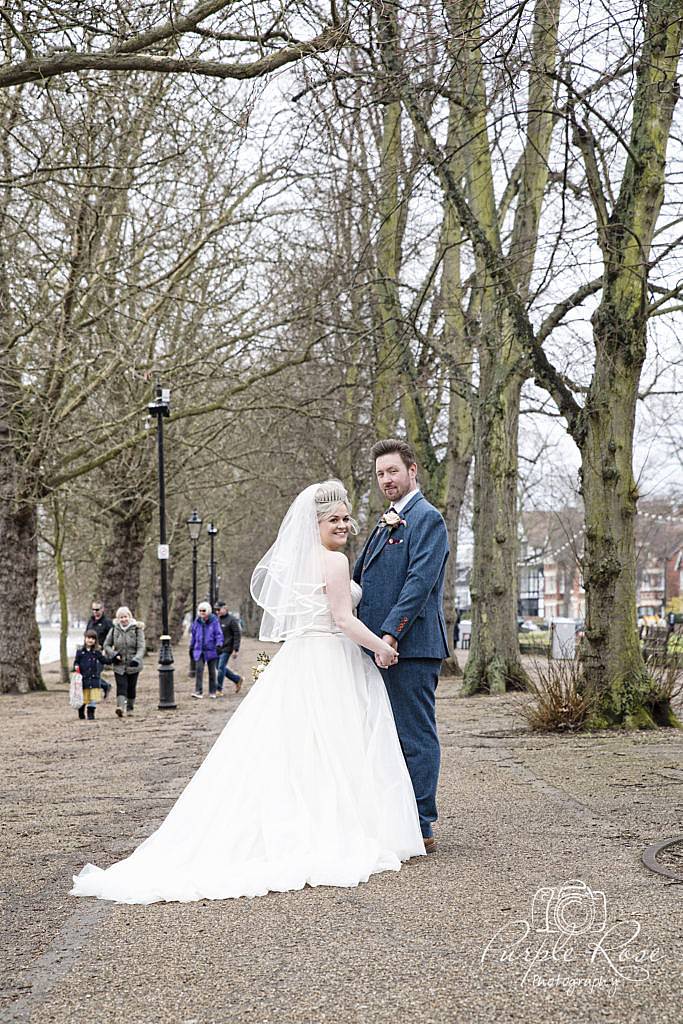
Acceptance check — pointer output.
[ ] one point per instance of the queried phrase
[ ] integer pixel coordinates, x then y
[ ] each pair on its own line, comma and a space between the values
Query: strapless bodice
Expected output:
325, 624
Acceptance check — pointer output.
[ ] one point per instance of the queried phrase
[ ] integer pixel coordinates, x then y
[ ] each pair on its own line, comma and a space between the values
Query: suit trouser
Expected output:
411, 685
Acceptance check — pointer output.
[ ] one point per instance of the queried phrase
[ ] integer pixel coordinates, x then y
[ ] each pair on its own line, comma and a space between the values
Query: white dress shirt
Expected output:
400, 505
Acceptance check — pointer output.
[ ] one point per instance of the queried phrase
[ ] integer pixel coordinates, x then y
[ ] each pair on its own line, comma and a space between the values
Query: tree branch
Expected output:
42, 68
172, 28
557, 315
546, 374
224, 403
583, 138
25, 42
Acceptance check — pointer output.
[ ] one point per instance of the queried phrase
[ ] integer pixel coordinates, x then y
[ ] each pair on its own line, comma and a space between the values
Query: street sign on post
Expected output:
562, 639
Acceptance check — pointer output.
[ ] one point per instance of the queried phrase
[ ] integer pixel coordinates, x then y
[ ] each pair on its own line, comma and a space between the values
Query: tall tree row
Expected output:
389, 238
625, 216
112, 263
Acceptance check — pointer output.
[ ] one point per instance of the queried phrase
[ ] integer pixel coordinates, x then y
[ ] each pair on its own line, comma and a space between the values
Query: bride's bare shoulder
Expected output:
335, 562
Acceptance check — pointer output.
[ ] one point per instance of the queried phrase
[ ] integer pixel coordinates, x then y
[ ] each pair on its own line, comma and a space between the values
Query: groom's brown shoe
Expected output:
430, 844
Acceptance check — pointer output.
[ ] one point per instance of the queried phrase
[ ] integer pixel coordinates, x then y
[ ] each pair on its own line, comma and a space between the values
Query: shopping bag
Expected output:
76, 690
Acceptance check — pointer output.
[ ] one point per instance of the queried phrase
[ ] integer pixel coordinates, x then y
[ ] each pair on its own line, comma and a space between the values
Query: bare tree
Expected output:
215, 39
625, 220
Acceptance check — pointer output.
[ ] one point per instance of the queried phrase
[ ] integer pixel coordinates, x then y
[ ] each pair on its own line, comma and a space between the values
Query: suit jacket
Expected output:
402, 574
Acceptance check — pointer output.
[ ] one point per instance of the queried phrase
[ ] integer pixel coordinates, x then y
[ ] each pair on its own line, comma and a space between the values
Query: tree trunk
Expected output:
251, 616
122, 559
19, 635
153, 617
179, 607
387, 369
58, 519
493, 665
614, 671
457, 343
459, 470
610, 653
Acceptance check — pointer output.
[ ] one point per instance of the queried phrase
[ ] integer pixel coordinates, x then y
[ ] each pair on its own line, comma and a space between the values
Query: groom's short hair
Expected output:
391, 446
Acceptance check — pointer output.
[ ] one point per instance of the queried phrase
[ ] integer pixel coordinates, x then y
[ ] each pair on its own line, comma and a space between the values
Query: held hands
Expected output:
390, 657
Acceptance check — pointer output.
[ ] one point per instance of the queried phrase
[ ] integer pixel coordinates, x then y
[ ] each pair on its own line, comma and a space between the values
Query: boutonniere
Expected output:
391, 519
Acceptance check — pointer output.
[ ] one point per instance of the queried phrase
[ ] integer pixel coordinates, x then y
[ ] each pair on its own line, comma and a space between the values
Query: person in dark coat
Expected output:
101, 623
206, 645
232, 637
89, 661
456, 629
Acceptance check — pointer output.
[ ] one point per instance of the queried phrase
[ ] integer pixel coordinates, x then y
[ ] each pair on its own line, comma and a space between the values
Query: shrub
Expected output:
559, 701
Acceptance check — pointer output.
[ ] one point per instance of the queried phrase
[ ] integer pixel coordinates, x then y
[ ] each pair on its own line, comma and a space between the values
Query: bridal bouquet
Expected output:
262, 661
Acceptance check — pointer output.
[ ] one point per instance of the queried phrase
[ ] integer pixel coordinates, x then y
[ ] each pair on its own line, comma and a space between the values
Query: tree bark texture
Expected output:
153, 617
19, 636
122, 557
60, 572
20, 647
182, 597
385, 403
457, 346
611, 655
493, 665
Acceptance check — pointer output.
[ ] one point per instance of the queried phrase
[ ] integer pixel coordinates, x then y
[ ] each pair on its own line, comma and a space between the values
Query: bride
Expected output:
306, 784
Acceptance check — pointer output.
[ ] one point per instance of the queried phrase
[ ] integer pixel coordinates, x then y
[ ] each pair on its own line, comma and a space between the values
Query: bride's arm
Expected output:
338, 586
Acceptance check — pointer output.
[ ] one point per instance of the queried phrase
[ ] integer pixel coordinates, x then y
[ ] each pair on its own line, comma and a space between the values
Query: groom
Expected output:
401, 570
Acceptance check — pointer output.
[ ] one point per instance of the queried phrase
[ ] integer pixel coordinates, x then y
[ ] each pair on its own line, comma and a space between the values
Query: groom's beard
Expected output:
395, 494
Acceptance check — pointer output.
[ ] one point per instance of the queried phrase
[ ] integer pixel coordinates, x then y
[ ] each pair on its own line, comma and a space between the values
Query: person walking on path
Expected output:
89, 661
206, 643
401, 570
101, 623
232, 636
125, 645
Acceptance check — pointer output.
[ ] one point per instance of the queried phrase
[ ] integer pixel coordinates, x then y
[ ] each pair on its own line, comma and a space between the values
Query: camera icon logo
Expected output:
571, 909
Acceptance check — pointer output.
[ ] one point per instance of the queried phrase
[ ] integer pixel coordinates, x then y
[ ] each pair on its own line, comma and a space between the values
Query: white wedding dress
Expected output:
305, 785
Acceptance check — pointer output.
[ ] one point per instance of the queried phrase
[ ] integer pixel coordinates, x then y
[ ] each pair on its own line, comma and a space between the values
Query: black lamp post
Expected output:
160, 408
194, 527
213, 533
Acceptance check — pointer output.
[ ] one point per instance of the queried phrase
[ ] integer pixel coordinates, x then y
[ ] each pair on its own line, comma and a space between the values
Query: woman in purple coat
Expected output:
206, 645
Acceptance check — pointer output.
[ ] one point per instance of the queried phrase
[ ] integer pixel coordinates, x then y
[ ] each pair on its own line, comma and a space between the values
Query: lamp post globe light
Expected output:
213, 533
160, 409
194, 528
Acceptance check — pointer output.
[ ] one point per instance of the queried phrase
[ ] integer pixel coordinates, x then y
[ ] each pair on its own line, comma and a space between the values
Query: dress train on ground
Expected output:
306, 784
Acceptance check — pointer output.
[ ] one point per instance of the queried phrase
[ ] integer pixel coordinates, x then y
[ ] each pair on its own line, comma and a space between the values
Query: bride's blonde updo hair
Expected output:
329, 494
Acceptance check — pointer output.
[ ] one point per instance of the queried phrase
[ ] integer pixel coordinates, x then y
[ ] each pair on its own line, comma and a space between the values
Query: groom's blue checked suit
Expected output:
402, 573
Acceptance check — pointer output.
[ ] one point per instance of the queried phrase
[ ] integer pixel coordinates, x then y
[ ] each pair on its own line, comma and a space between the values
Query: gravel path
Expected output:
442, 941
